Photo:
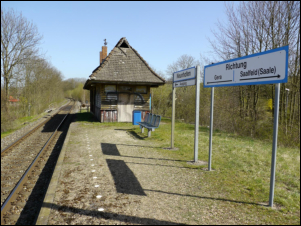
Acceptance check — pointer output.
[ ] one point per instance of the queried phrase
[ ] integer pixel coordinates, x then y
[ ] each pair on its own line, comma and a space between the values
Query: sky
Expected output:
74, 32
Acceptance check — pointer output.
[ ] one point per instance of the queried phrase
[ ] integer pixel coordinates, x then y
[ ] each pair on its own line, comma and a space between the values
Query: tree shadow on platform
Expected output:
155, 165
131, 145
107, 215
125, 180
111, 149
132, 133
203, 197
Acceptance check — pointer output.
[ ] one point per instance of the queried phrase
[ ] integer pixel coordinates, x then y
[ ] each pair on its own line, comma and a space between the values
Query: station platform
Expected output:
105, 175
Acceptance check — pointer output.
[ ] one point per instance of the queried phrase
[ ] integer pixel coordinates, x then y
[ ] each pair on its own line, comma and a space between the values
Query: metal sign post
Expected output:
187, 77
173, 116
211, 128
268, 67
274, 147
197, 111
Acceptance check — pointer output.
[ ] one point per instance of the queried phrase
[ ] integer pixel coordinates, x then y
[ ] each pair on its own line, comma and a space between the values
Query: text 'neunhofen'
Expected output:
184, 74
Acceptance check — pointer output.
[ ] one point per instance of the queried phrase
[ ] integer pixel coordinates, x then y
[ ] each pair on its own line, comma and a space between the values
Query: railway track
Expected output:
27, 166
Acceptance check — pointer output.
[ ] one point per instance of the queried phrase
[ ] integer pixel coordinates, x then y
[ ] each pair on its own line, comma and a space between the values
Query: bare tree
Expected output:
19, 42
183, 62
257, 26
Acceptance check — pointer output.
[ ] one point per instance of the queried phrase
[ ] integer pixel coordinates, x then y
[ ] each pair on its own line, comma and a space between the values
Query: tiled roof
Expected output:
124, 64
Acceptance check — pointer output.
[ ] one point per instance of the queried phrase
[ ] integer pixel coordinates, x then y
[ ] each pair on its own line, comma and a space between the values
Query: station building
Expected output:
120, 85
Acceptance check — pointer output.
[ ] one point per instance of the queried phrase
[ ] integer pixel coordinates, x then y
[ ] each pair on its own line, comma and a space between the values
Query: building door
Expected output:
125, 107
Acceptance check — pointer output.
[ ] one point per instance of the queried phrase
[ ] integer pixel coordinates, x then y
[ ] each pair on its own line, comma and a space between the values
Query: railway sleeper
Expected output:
11, 217
28, 186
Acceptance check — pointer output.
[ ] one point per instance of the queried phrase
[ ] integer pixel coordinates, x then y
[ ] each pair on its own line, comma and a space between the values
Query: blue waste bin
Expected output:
136, 117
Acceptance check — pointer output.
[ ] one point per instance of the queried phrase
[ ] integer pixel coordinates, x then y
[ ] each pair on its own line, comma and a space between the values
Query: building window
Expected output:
141, 89
110, 88
125, 89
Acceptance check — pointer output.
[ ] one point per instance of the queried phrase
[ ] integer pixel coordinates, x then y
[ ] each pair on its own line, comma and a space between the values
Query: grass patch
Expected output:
241, 167
6, 133
21, 122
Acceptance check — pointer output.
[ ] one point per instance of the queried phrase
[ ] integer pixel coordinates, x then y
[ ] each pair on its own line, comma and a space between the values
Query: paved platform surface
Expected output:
105, 175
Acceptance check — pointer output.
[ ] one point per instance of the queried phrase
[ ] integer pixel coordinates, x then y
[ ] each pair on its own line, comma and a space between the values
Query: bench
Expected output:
151, 122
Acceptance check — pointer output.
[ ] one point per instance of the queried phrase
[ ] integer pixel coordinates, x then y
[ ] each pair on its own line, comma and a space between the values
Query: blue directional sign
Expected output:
185, 74
261, 68
190, 82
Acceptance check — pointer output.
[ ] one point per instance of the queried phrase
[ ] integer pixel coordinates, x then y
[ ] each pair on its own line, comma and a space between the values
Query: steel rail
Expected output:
7, 204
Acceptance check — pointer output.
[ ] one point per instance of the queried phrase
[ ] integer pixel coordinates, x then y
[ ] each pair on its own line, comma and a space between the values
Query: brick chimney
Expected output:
103, 54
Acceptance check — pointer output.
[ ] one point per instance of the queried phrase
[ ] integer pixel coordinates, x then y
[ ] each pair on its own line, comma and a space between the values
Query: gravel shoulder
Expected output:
110, 177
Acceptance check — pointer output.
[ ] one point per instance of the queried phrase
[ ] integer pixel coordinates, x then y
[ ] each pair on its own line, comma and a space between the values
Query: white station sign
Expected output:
185, 74
190, 82
260, 68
